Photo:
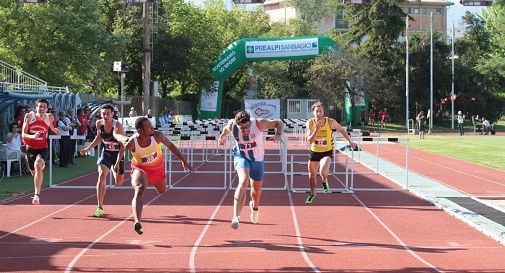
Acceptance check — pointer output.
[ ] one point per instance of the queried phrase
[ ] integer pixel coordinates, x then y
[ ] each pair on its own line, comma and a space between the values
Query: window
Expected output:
340, 22
438, 11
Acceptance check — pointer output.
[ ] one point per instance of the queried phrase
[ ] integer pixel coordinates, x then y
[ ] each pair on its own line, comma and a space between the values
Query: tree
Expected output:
62, 42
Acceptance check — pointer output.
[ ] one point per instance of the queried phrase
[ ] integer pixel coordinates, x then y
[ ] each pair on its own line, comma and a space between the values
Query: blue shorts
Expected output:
256, 169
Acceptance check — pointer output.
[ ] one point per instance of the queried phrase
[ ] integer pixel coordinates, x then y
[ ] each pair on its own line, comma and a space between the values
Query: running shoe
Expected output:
36, 199
326, 186
235, 223
309, 199
98, 212
138, 228
255, 214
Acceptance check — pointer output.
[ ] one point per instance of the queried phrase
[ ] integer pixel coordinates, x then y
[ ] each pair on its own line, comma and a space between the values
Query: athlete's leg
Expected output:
312, 168
240, 193
324, 167
255, 192
38, 174
103, 171
118, 173
161, 186
139, 180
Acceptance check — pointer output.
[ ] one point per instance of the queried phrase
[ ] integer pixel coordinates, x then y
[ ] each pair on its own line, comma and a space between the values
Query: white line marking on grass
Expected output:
47, 216
299, 236
192, 267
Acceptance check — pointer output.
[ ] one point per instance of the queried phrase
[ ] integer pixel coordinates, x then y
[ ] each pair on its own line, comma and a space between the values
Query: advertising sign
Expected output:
268, 109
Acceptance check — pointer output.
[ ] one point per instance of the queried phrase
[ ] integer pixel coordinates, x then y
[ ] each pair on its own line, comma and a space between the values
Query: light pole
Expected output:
431, 72
407, 73
452, 83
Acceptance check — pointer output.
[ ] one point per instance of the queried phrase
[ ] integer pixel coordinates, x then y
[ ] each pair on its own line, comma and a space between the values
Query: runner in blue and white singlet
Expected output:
248, 146
248, 153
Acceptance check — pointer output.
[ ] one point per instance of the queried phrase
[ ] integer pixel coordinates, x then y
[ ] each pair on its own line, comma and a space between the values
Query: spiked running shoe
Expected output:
255, 214
138, 228
309, 199
235, 223
326, 186
36, 199
98, 212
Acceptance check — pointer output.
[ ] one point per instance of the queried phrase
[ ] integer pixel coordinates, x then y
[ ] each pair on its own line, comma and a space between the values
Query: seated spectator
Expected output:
486, 126
14, 145
132, 113
149, 114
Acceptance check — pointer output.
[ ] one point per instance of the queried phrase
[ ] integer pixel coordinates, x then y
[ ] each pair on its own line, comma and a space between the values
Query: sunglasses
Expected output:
245, 127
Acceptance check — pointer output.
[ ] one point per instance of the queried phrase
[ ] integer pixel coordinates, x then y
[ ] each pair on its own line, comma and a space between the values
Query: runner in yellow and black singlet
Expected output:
320, 138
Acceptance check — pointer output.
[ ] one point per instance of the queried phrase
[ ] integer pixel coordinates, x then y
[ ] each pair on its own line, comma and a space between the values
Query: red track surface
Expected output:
189, 231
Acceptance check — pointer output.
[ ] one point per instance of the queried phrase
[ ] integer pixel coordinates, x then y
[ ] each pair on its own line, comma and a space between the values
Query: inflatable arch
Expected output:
255, 50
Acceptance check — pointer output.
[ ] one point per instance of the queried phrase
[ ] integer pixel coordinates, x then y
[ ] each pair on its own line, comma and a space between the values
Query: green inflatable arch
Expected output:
255, 50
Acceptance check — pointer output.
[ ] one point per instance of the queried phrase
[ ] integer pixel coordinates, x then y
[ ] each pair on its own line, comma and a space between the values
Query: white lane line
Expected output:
192, 267
47, 216
70, 266
299, 236
404, 246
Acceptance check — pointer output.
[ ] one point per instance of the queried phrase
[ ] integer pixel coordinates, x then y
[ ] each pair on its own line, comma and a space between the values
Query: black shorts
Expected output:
317, 156
32, 155
109, 158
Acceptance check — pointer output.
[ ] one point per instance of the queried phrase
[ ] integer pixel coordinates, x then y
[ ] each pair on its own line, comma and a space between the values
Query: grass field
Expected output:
15, 184
481, 149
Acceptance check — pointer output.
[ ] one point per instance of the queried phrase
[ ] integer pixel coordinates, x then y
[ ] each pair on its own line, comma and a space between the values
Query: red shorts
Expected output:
155, 174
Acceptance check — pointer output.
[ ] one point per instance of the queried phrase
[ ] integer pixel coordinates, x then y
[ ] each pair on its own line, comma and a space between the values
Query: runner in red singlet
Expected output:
35, 128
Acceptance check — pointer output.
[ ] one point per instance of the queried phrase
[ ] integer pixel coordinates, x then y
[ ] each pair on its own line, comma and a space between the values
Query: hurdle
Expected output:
282, 146
51, 184
171, 170
379, 165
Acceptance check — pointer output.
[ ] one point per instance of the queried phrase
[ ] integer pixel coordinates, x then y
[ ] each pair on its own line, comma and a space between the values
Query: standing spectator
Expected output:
371, 117
65, 129
363, 116
421, 122
75, 124
132, 113
83, 118
20, 116
461, 120
14, 144
383, 117
149, 114
486, 126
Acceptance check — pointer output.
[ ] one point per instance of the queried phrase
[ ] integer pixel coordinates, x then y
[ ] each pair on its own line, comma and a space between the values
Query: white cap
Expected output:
459, 112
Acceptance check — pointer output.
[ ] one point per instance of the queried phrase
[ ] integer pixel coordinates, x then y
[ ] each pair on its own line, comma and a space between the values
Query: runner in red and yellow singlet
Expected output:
148, 164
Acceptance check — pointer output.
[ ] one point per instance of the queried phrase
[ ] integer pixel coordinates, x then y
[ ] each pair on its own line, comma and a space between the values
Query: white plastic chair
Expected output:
10, 156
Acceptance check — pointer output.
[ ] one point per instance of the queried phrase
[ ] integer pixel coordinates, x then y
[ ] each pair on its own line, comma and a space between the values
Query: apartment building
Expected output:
419, 11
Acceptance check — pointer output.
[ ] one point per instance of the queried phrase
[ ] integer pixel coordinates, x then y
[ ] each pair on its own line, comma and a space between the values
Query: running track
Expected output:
189, 230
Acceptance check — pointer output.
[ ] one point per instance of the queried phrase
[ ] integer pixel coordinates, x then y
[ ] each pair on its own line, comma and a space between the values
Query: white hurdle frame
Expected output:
398, 140
51, 185
283, 157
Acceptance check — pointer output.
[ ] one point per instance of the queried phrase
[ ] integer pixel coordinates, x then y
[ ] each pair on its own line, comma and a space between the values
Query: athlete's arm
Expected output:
120, 130
26, 134
335, 125
226, 131
51, 125
96, 141
312, 132
276, 124
160, 137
